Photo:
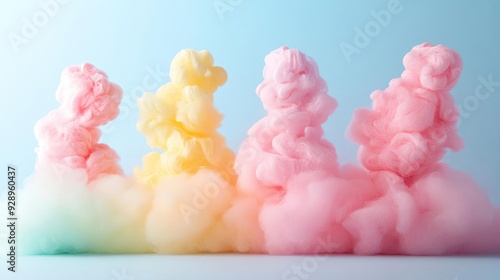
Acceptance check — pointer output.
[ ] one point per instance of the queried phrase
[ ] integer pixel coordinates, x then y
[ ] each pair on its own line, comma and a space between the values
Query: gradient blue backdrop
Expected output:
135, 42
132, 42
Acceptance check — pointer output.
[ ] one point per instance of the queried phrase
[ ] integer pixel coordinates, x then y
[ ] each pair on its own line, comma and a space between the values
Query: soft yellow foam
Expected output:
180, 119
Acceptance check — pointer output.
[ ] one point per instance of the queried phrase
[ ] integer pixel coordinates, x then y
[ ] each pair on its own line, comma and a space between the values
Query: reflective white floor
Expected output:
255, 267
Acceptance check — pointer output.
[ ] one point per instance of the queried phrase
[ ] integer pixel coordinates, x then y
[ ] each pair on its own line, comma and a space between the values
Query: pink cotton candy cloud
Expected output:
87, 96
291, 193
78, 200
68, 136
294, 198
414, 120
424, 207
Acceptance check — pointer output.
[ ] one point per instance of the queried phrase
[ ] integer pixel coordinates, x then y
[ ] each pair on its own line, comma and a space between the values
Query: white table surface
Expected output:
235, 266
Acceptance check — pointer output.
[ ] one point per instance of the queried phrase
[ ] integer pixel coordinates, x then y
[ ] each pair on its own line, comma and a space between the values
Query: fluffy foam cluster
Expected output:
192, 179
296, 199
422, 206
287, 194
78, 201
181, 120
287, 142
414, 120
68, 136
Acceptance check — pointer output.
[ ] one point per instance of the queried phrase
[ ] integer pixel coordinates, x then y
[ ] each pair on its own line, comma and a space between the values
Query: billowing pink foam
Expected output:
295, 198
425, 207
69, 136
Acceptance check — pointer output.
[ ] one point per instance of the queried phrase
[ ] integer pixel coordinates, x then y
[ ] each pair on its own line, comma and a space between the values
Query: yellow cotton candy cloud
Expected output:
180, 119
192, 179
186, 214
192, 68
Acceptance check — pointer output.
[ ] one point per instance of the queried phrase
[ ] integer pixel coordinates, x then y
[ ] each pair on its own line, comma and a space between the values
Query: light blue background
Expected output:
125, 40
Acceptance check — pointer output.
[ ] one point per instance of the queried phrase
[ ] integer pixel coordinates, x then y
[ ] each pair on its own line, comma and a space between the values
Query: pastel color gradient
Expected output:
424, 206
193, 178
68, 136
181, 120
284, 192
78, 200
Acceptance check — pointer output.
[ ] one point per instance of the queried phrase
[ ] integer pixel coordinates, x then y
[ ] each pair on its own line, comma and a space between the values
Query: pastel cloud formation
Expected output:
192, 179
423, 206
78, 200
284, 192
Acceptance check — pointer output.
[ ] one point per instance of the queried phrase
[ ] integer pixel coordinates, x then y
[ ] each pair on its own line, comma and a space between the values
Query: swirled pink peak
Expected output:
287, 142
414, 120
297, 101
86, 94
292, 81
424, 207
69, 136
